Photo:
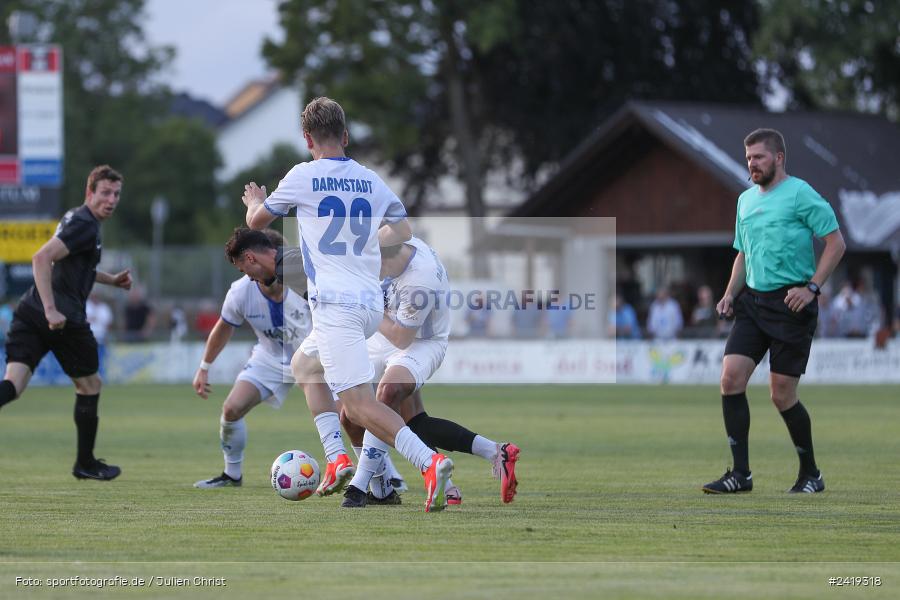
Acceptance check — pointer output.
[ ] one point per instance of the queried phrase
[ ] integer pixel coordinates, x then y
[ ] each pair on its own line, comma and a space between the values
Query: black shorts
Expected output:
762, 321
30, 338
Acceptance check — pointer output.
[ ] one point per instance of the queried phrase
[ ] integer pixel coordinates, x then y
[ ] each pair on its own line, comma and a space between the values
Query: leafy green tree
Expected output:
267, 171
833, 54
469, 86
109, 96
553, 71
461, 87
176, 161
116, 111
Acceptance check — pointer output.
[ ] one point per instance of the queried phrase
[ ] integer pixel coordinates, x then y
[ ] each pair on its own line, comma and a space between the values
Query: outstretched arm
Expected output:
216, 341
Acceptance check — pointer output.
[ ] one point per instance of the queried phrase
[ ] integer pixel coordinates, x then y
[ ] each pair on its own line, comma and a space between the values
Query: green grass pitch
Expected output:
608, 506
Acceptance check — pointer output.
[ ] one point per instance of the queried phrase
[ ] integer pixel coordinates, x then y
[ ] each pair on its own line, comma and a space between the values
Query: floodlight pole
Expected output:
159, 212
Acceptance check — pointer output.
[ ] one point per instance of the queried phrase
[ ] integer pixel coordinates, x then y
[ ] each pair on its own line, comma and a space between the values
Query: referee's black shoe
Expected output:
807, 484
354, 498
96, 470
731, 482
391, 499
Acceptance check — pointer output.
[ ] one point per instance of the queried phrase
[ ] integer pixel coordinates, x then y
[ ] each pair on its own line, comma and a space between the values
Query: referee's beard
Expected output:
763, 178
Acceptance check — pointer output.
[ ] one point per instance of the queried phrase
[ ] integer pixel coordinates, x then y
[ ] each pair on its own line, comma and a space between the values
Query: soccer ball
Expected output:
295, 475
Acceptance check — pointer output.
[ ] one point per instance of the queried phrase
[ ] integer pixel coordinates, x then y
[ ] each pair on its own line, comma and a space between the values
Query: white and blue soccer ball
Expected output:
295, 475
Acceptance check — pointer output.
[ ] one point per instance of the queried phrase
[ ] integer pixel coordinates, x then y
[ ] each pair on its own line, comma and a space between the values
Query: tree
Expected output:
117, 112
109, 95
267, 171
831, 54
560, 68
177, 161
444, 86
462, 87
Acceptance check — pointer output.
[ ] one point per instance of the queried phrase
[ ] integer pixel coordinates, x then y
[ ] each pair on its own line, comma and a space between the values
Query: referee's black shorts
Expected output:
30, 338
762, 321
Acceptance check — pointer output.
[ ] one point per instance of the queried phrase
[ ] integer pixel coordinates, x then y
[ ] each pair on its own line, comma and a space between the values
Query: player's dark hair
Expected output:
275, 237
243, 239
100, 173
391, 251
772, 138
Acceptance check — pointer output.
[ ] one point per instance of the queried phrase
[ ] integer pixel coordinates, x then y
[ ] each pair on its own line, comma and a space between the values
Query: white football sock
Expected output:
485, 448
390, 470
448, 485
233, 435
412, 448
371, 463
357, 450
329, 426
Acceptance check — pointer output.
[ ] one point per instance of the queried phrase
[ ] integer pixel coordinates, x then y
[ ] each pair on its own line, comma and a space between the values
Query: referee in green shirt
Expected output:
776, 269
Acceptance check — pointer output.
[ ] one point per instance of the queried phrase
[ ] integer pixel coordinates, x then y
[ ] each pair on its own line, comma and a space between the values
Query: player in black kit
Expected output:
51, 314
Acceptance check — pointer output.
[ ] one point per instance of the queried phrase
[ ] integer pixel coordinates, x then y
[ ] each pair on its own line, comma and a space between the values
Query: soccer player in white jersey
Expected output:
409, 347
345, 212
280, 319
264, 260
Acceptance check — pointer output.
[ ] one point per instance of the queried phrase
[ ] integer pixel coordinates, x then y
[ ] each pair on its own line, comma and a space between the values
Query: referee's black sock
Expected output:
86, 423
799, 426
441, 433
736, 411
7, 392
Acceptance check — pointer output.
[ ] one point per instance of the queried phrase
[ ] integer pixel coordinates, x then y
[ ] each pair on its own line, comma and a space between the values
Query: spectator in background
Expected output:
873, 310
6, 316
665, 320
478, 316
850, 313
828, 318
99, 316
897, 320
526, 319
622, 321
704, 320
559, 321
139, 317
206, 318
178, 325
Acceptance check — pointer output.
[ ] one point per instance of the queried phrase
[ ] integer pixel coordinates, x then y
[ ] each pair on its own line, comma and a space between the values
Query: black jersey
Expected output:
73, 276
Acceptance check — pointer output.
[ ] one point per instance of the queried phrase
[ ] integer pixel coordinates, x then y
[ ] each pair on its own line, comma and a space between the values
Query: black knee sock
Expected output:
736, 411
799, 426
86, 423
441, 433
7, 392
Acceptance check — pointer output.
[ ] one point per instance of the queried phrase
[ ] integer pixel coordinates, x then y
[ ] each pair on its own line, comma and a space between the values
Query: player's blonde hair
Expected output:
323, 119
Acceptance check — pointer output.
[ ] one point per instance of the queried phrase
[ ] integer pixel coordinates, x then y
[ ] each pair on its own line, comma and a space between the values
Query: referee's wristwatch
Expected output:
814, 288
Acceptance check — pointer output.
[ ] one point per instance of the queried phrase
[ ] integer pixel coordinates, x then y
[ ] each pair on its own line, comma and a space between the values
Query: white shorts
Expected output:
421, 358
338, 338
272, 378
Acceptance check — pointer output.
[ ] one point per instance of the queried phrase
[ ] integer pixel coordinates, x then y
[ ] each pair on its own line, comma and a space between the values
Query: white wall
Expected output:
248, 138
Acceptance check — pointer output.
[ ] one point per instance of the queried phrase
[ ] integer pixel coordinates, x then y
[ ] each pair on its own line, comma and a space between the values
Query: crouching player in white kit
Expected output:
280, 319
261, 257
345, 212
407, 350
